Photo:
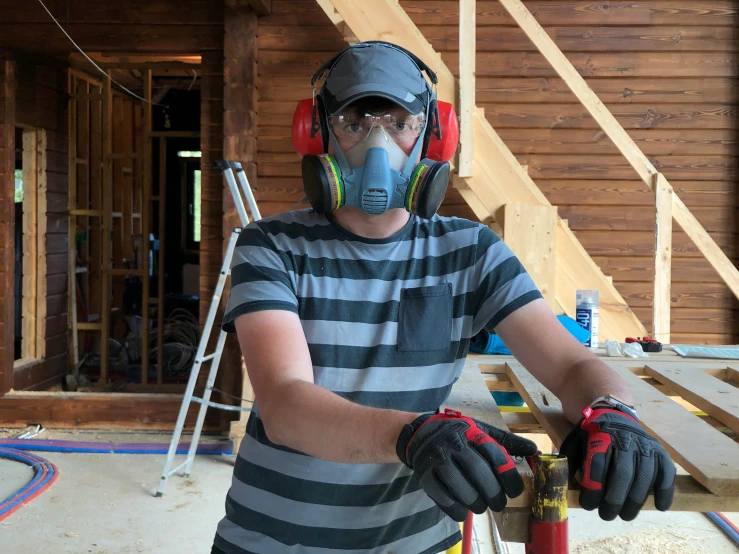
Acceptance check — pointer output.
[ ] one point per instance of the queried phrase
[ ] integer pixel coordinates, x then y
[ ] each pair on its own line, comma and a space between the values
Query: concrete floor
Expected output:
104, 503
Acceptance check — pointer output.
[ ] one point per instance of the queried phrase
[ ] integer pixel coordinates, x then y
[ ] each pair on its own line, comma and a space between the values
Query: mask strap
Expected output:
339, 155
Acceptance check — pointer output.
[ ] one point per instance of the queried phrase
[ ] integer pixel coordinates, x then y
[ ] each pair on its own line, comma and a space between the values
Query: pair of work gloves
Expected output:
466, 465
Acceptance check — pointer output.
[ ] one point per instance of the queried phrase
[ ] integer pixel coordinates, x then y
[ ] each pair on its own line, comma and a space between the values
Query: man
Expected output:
355, 319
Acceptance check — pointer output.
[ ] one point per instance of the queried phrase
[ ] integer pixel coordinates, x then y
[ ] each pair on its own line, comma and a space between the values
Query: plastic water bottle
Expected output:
586, 310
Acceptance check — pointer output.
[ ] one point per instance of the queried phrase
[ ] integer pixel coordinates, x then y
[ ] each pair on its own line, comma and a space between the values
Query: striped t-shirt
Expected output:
388, 323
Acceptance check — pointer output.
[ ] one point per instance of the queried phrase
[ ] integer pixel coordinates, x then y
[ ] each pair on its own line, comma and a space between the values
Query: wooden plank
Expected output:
531, 232
611, 90
692, 443
592, 64
470, 396
713, 168
707, 245
7, 193
662, 259
94, 410
467, 45
695, 320
42, 264
715, 397
578, 12
30, 299
640, 243
689, 495
73, 336
683, 295
696, 194
629, 116
595, 38
112, 37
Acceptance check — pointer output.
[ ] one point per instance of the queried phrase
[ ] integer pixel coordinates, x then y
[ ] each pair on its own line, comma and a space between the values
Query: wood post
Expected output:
73, 339
240, 104
145, 215
160, 260
662, 259
107, 200
531, 232
467, 52
30, 287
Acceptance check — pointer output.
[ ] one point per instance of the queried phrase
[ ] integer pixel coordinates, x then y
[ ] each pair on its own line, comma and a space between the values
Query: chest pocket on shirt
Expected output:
425, 318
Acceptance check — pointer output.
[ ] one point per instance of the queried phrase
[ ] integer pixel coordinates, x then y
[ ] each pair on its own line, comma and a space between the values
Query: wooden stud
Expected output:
72, 230
127, 180
160, 263
83, 180
467, 53
41, 225
145, 215
107, 201
30, 299
531, 232
662, 259
96, 206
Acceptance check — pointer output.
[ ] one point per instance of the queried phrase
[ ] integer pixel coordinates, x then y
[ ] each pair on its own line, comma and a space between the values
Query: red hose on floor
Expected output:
728, 522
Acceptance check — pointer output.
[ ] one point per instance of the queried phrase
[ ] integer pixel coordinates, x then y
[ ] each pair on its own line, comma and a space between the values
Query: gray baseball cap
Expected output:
375, 69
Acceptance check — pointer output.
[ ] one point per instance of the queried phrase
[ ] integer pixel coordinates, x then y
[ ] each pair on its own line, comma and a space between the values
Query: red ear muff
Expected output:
442, 149
303, 142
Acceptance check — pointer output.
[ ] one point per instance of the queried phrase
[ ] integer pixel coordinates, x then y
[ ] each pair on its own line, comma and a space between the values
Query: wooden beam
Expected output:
531, 232
715, 397
7, 194
662, 259
260, 7
84, 410
467, 52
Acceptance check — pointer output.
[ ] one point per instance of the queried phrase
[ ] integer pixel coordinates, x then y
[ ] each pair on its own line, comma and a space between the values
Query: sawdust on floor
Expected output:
651, 542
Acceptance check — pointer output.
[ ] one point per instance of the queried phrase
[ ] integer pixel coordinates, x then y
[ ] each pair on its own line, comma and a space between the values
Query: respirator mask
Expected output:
373, 171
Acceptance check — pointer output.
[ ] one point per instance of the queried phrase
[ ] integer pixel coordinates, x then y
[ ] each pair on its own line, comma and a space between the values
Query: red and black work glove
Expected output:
621, 463
463, 464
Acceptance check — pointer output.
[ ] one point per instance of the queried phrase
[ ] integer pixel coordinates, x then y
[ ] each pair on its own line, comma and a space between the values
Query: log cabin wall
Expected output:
667, 69
34, 96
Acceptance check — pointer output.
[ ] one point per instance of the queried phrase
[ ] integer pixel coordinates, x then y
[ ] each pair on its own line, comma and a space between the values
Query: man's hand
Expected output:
621, 462
463, 464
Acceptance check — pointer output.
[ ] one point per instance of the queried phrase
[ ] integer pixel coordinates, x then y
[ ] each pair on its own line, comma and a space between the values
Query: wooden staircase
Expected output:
498, 184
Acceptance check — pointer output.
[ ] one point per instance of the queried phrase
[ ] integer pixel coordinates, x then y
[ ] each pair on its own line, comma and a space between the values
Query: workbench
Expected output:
690, 405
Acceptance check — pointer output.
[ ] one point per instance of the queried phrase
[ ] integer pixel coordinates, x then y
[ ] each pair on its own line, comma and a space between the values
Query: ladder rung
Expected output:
175, 470
124, 272
220, 406
83, 326
209, 357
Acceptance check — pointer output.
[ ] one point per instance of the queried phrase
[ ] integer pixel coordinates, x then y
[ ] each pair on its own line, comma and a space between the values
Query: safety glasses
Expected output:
399, 126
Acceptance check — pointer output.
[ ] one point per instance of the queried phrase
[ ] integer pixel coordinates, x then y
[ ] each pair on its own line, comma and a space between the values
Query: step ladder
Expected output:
228, 168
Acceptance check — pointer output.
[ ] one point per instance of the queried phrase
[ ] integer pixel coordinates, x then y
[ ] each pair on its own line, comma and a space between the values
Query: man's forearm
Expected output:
587, 380
318, 422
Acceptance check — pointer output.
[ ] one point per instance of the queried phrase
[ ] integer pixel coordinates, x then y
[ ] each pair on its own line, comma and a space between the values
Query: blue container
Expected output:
507, 398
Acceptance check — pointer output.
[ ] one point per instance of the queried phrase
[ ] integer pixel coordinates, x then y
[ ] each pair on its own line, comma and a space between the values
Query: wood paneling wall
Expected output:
41, 102
667, 69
